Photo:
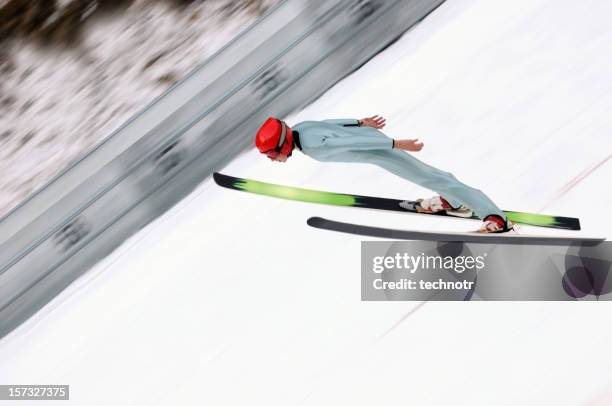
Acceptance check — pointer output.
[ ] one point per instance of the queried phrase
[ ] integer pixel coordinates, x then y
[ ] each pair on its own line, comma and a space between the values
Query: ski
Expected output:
474, 237
370, 202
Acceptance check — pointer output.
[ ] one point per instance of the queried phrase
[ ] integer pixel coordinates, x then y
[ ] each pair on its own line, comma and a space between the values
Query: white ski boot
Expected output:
436, 204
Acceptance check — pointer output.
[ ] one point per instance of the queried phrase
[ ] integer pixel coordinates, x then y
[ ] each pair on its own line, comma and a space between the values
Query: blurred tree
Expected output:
56, 22
24, 16
64, 28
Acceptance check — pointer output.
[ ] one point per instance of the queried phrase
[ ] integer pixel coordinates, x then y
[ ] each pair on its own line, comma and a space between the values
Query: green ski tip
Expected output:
293, 193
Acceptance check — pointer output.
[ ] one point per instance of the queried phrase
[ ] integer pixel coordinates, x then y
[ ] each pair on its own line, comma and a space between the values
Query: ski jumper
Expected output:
343, 140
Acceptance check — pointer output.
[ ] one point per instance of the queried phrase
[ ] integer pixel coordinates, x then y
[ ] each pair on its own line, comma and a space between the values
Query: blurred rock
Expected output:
167, 79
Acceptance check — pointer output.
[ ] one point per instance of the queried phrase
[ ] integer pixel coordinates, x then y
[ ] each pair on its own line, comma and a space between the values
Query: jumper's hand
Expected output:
409, 145
376, 121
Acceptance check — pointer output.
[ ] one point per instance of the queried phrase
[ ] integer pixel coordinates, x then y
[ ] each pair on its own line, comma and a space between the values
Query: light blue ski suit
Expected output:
343, 140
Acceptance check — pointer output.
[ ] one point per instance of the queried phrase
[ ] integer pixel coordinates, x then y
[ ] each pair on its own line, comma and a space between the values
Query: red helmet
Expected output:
274, 135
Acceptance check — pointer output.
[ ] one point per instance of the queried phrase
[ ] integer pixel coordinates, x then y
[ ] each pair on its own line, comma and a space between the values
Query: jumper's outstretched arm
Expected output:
379, 122
375, 121
413, 145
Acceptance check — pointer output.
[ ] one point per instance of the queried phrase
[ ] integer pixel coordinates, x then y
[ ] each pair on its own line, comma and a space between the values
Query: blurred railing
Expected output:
289, 57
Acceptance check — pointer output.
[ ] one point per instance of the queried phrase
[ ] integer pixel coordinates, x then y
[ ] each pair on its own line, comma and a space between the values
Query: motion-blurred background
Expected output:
72, 71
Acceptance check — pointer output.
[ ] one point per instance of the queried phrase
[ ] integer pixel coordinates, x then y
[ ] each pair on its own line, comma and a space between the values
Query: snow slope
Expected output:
229, 299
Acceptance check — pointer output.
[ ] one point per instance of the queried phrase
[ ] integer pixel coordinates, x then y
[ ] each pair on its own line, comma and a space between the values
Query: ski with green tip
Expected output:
371, 202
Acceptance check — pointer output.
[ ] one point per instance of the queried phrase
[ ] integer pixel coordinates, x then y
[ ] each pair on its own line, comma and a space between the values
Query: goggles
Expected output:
282, 138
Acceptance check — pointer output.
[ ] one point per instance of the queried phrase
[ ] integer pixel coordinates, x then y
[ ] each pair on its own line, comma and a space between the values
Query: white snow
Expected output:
230, 299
